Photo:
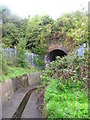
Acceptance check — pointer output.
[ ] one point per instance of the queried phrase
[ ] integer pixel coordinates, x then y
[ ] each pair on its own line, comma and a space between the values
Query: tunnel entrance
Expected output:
53, 54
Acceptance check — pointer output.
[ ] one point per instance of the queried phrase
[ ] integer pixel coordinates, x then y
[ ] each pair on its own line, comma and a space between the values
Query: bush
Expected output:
65, 83
39, 61
21, 53
5, 67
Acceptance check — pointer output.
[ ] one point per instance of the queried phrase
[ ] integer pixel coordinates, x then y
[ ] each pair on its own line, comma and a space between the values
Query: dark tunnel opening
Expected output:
53, 54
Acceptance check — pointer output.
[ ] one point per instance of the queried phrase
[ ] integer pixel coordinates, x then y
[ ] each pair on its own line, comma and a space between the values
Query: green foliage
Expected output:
12, 27
66, 100
74, 25
21, 53
40, 31
65, 82
39, 61
5, 67
4, 10
72, 103
17, 71
10, 34
69, 67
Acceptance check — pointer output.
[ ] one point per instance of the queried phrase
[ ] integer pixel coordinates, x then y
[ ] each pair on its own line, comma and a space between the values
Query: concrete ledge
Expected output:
8, 87
34, 78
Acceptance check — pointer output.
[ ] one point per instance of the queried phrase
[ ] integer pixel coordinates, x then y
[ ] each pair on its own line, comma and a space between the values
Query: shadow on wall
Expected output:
53, 54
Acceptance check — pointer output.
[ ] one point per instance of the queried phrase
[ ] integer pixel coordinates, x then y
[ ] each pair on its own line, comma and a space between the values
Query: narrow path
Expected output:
30, 110
11, 105
22, 104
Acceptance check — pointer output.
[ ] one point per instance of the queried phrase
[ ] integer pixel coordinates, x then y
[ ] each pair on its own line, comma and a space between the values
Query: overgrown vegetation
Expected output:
64, 82
21, 53
39, 61
17, 71
5, 66
66, 100
37, 33
12, 68
65, 87
41, 31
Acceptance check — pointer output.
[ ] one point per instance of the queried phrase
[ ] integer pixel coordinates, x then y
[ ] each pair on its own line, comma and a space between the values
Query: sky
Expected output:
53, 8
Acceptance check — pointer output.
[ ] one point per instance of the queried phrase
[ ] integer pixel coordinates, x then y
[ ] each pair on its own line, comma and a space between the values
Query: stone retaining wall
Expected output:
8, 87
7, 90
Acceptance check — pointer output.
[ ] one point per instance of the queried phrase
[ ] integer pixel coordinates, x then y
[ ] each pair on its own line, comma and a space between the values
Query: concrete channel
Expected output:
22, 102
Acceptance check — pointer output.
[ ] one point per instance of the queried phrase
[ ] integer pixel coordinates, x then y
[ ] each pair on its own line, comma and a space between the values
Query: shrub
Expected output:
21, 53
39, 61
65, 82
5, 67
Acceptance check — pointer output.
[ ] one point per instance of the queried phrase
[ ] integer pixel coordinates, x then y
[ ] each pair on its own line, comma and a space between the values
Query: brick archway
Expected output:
53, 51
57, 47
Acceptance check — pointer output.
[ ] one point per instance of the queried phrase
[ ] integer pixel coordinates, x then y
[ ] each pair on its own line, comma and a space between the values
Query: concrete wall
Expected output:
8, 87
7, 90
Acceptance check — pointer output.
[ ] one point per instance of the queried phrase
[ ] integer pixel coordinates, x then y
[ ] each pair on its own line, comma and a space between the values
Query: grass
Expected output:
17, 71
65, 92
65, 102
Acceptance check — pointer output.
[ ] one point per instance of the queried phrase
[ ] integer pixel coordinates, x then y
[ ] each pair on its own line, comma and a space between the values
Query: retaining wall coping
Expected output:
7, 87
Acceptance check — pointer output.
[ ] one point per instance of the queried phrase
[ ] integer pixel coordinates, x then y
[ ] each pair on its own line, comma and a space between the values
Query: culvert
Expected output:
54, 53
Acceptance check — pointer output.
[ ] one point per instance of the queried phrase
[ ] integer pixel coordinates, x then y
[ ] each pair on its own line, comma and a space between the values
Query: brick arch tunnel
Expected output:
54, 53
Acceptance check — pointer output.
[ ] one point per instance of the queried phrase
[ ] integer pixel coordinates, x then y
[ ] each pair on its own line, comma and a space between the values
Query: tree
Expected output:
13, 27
10, 36
38, 33
41, 31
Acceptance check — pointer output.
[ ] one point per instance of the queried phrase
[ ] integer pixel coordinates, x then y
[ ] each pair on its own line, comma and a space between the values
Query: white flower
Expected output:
83, 24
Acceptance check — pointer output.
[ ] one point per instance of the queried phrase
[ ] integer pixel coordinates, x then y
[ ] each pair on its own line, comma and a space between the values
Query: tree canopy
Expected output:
41, 31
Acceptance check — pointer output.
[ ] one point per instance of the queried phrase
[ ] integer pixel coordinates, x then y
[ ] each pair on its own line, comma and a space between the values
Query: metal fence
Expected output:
11, 52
